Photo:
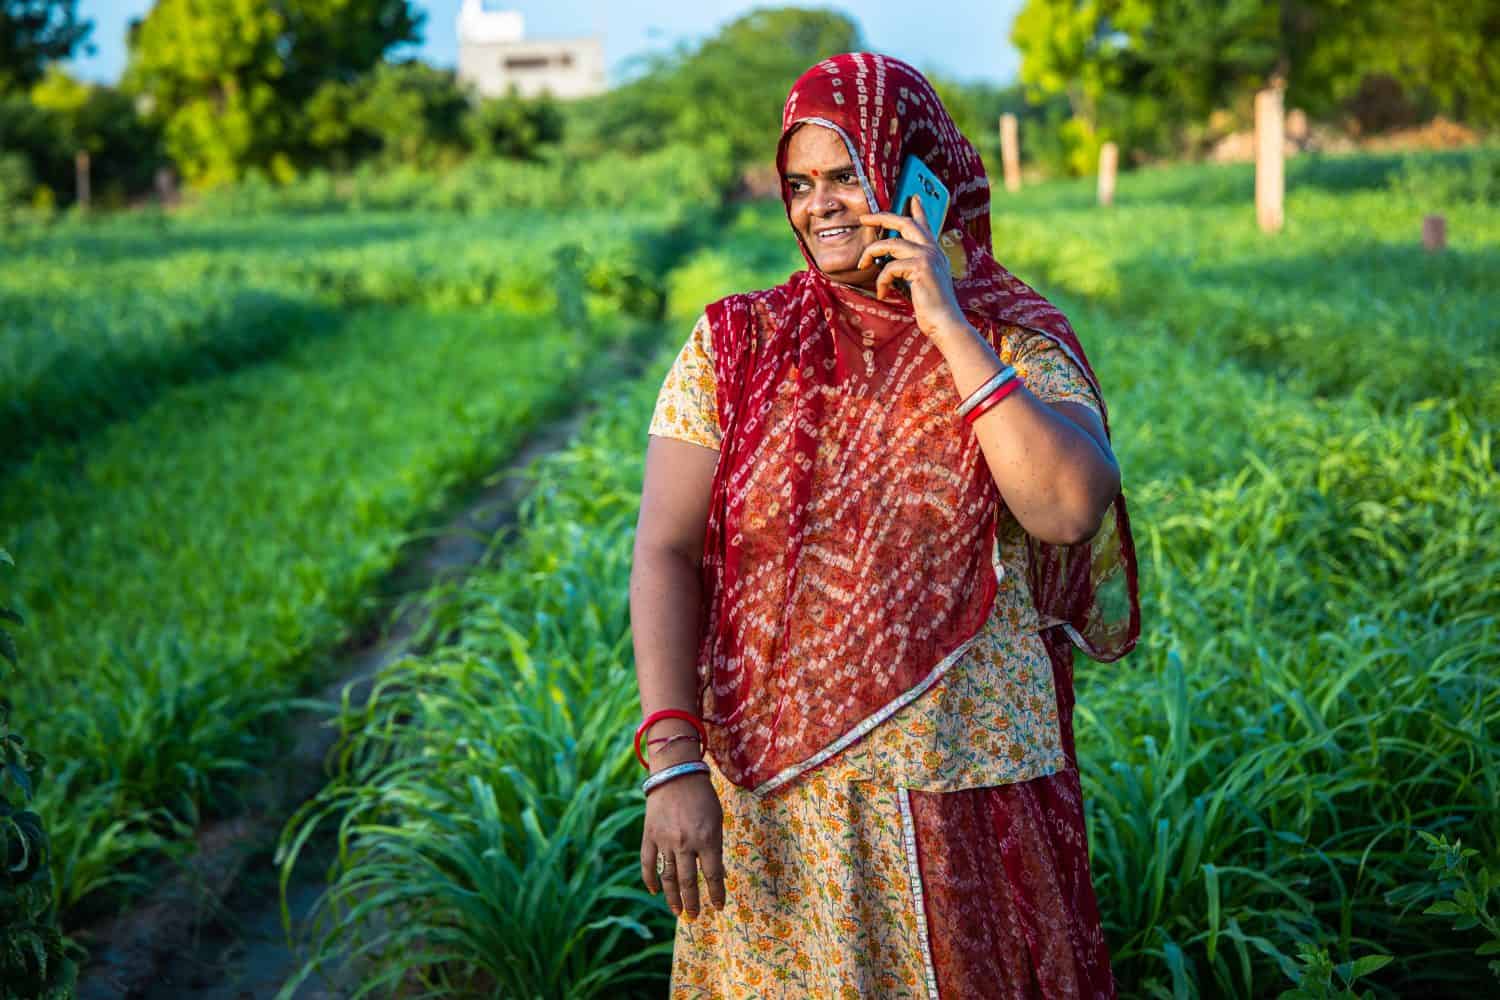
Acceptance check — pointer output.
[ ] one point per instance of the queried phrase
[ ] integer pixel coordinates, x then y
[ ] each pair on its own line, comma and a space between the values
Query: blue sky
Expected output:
971, 40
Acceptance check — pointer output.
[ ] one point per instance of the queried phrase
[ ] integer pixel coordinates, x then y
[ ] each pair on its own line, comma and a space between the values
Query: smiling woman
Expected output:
826, 203
876, 519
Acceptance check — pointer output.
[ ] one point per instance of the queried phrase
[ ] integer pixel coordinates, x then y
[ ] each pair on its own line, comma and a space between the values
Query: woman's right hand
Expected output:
685, 829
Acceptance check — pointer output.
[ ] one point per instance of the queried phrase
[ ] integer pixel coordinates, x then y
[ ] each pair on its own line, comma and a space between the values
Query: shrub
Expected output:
1450, 180
34, 959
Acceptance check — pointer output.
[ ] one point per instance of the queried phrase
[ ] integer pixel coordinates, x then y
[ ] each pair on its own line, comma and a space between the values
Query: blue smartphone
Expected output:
917, 179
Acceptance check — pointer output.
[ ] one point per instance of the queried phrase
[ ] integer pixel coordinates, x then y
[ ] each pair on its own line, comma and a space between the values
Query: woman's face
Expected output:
826, 203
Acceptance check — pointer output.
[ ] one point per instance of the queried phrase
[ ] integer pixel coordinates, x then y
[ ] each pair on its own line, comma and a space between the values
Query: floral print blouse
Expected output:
991, 719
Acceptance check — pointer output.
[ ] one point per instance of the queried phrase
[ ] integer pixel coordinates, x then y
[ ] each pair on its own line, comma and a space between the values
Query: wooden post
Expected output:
1010, 151
81, 177
1109, 161
1270, 180
1434, 232
166, 186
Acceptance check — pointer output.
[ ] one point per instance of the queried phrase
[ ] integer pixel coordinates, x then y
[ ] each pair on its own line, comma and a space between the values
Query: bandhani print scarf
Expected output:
852, 520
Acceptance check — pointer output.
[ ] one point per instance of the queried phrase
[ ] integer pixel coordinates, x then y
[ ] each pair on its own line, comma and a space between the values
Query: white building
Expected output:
494, 55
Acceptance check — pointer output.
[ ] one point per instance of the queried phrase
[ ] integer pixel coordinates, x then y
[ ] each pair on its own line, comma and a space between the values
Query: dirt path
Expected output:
214, 929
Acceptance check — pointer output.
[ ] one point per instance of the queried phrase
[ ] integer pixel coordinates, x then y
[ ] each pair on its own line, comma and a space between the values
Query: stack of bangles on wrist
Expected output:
981, 400
667, 774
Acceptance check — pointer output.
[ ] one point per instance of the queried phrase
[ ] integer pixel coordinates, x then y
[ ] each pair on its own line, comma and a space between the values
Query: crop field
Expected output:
227, 429
302, 398
1315, 689
171, 302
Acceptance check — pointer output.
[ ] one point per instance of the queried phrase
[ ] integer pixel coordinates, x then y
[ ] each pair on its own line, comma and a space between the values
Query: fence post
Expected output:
1109, 161
1270, 180
1434, 232
1010, 151
166, 187
81, 177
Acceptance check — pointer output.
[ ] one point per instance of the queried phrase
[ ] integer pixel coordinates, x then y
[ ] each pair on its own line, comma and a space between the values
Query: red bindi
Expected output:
815, 171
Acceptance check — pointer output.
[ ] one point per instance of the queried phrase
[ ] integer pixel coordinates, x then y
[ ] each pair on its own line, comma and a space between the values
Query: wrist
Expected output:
953, 332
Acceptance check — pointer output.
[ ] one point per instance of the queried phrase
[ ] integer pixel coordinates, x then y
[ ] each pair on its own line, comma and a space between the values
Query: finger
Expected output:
907, 226
687, 878
670, 878
885, 283
648, 866
899, 249
919, 215
712, 863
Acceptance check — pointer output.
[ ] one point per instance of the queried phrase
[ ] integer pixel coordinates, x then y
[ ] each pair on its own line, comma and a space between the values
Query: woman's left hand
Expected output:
918, 259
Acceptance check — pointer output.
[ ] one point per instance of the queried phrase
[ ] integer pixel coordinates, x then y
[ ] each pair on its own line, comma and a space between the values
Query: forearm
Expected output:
1055, 478
665, 613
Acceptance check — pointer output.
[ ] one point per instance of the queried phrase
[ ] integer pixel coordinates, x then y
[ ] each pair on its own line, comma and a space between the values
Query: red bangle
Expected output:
992, 400
659, 715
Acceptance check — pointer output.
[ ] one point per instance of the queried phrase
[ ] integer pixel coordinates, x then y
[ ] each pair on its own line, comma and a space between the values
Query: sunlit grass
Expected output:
188, 566
97, 321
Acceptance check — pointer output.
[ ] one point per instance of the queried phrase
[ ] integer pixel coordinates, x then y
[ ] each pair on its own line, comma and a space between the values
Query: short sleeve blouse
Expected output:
991, 719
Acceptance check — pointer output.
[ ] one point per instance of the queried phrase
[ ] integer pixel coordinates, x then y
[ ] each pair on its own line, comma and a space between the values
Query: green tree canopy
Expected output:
1143, 70
732, 86
413, 111
34, 33
514, 126
229, 79
60, 116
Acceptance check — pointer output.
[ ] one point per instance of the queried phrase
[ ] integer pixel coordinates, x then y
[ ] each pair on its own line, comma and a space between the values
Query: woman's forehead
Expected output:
814, 146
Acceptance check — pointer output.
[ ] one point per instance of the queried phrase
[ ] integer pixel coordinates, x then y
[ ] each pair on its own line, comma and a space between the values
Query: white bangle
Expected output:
1001, 377
666, 774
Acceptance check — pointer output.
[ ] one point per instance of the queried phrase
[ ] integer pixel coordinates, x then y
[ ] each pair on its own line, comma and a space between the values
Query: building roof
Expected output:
479, 24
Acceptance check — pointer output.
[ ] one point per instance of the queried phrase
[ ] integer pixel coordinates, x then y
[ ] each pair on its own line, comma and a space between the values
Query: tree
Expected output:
102, 120
1143, 70
1196, 55
340, 39
1067, 48
513, 126
34, 33
1448, 50
229, 79
414, 111
731, 86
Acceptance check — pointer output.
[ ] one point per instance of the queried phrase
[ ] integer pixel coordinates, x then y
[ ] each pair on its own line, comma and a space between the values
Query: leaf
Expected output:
22, 779
1181, 981
1211, 886
1368, 964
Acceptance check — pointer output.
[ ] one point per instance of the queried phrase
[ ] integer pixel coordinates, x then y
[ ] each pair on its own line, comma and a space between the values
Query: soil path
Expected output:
213, 930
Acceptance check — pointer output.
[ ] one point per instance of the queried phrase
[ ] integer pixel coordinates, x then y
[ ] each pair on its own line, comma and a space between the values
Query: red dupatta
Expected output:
852, 518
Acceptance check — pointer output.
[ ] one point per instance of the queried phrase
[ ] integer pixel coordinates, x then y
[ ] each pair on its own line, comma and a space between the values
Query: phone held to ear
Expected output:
917, 181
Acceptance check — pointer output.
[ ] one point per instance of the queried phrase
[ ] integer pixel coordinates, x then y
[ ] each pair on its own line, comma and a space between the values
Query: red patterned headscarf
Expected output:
852, 520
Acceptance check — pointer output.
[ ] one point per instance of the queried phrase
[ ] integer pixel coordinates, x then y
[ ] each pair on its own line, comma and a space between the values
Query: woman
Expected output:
889, 804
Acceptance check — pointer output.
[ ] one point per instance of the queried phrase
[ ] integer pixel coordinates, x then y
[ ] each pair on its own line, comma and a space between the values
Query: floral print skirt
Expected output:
850, 888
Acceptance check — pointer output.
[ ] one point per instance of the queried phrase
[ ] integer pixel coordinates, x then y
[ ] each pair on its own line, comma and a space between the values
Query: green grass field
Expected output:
221, 435
1306, 425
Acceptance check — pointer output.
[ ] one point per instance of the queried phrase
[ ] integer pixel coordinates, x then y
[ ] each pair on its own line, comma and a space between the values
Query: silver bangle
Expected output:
976, 397
666, 774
